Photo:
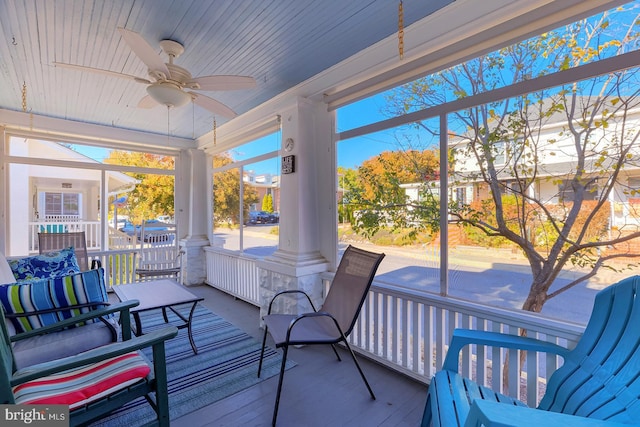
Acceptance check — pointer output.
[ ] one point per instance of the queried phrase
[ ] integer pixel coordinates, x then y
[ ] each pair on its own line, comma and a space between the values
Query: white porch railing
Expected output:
90, 228
399, 327
119, 266
409, 331
120, 240
233, 272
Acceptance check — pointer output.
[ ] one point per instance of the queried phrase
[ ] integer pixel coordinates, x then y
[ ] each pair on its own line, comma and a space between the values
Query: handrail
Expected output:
398, 327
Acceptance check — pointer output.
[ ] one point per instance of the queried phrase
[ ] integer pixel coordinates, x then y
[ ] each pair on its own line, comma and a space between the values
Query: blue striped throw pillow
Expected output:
56, 292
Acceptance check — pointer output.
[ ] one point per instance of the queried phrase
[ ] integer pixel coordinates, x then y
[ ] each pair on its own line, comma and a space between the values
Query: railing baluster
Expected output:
409, 330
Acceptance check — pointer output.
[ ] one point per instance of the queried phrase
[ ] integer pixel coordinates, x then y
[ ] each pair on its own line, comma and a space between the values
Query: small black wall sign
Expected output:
288, 164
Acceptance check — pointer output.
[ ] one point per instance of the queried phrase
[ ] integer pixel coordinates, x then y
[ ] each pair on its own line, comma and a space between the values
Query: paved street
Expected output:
495, 277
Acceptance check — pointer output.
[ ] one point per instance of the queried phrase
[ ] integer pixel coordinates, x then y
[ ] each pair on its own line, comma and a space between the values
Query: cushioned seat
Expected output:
83, 385
32, 305
93, 383
56, 345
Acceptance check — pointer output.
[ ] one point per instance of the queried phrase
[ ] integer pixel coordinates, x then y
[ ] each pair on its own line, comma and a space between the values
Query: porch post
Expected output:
191, 210
305, 193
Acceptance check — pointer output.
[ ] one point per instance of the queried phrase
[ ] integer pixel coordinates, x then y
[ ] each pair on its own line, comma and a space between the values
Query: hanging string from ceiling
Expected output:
215, 128
193, 119
24, 104
168, 124
24, 97
400, 30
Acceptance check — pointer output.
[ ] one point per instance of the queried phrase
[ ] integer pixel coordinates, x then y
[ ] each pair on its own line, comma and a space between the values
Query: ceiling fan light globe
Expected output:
168, 95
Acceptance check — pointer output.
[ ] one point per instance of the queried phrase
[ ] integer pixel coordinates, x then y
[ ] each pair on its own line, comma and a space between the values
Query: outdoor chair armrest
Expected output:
495, 414
464, 337
121, 307
155, 338
313, 314
291, 291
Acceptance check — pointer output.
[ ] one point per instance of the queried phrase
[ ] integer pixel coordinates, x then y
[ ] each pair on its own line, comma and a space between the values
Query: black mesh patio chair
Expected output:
333, 322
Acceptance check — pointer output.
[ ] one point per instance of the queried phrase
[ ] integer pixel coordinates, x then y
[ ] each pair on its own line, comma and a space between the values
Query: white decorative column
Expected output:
194, 168
299, 260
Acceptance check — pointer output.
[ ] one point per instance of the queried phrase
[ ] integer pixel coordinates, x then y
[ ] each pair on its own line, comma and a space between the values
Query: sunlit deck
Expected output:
319, 391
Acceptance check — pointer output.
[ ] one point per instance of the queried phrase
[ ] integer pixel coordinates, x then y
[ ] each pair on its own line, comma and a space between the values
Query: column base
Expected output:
285, 271
193, 260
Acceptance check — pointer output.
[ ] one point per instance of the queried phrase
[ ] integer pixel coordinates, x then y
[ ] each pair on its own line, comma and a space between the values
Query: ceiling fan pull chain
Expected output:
168, 124
24, 104
215, 127
24, 97
400, 30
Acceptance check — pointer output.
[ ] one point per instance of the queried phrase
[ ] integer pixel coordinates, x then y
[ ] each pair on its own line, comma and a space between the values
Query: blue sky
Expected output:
351, 153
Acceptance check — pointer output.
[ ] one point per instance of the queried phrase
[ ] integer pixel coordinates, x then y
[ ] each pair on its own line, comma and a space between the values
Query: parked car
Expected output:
128, 228
122, 222
149, 225
262, 217
252, 218
166, 218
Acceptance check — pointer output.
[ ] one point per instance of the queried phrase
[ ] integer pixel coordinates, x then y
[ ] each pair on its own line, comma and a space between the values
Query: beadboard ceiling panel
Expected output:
279, 42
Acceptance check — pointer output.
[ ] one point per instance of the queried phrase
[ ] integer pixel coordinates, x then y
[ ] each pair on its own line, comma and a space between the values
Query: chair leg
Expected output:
335, 350
264, 343
426, 416
353, 356
285, 350
162, 395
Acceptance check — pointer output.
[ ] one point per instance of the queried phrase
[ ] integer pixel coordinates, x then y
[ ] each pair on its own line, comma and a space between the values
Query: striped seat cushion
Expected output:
56, 292
79, 386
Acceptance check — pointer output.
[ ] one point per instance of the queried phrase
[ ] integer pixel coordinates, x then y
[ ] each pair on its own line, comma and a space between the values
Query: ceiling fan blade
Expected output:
144, 51
222, 83
101, 71
216, 107
147, 102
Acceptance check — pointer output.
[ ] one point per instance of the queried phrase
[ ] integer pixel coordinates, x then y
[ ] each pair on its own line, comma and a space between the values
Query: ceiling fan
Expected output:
170, 84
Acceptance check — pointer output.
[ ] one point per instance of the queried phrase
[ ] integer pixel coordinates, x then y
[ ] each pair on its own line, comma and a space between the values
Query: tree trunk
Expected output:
534, 302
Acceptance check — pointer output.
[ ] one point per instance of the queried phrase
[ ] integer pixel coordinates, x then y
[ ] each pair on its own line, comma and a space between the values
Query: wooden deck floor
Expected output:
319, 391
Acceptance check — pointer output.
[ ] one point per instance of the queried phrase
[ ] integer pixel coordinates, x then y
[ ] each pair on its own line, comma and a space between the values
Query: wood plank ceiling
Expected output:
279, 42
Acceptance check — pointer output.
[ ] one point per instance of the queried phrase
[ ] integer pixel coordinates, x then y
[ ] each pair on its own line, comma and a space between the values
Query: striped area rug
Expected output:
226, 363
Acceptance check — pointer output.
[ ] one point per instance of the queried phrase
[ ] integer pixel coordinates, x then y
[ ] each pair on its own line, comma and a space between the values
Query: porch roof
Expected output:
330, 51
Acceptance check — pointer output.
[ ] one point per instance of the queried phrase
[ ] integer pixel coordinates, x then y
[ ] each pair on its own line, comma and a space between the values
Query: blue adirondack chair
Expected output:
598, 384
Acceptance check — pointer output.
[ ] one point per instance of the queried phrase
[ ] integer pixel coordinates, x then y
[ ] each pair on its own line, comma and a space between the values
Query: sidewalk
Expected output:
478, 257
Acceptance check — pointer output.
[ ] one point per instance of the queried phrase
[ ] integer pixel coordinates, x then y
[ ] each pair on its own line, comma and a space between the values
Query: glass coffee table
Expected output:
159, 294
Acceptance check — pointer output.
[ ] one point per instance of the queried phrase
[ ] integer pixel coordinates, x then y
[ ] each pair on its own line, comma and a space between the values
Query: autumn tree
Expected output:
377, 194
550, 162
348, 185
267, 203
154, 194
226, 193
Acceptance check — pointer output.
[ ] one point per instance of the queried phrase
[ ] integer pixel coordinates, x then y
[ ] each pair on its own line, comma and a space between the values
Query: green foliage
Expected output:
154, 193
375, 199
507, 151
226, 193
387, 237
